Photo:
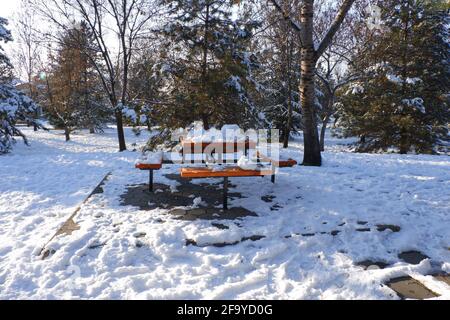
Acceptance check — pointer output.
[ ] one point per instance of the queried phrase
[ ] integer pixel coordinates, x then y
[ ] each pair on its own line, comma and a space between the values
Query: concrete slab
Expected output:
410, 288
178, 202
68, 227
412, 257
443, 277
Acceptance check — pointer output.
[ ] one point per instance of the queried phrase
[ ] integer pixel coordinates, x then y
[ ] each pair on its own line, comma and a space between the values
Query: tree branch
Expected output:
287, 17
343, 10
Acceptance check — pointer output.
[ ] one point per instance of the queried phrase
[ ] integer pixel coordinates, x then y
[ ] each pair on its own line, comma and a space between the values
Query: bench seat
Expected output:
280, 163
284, 163
225, 173
148, 166
232, 171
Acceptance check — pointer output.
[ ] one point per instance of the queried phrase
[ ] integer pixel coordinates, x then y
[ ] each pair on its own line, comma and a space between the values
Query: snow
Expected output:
228, 132
129, 113
235, 82
143, 118
5, 34
150, 158
196, 202
413, 81
398, 80
121, 252
356, 89
246, 163
393, 78
8, 109
416, 103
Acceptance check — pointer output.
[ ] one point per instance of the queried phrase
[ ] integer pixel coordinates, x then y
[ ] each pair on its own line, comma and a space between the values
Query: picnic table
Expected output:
222, 159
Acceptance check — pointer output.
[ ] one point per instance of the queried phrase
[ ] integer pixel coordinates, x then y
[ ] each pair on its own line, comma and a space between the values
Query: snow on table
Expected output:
154, 157
229, 133
309, 251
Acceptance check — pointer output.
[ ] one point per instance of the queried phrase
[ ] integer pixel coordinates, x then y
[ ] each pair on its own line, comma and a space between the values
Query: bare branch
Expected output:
343, 10
287, 17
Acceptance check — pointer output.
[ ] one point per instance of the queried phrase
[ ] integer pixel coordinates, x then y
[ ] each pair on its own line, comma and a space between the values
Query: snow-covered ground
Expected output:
121, 252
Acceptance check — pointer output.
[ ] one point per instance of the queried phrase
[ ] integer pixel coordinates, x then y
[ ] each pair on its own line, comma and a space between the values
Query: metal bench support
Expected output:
272, 178
225, 193
150, 181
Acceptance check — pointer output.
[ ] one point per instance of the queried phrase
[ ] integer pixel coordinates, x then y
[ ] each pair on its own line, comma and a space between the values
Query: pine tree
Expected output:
146, 84
73, 92
5, 63
92, 100
15, 106
402, 100
209, 65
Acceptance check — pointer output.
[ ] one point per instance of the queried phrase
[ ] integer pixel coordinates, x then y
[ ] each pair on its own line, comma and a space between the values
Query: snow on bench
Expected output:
213, 147
150, 161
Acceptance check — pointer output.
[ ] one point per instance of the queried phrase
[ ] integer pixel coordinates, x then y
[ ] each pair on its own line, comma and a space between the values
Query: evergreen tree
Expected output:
5, 63
402, 99
74, 98
208, 65
15, 106
146, 84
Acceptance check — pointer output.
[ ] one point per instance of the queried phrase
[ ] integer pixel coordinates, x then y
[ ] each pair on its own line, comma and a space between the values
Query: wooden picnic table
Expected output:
222, 167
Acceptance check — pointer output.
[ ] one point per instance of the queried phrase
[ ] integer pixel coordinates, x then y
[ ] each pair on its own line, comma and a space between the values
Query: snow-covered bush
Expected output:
14, 105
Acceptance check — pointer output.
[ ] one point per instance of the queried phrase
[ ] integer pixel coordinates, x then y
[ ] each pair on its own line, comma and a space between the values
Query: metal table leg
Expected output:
150, 181
225, 193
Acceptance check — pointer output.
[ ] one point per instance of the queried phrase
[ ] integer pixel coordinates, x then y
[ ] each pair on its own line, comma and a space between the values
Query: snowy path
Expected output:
310, 247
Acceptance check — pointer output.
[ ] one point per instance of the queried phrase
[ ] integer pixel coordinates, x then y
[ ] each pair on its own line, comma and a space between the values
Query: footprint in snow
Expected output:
139, 234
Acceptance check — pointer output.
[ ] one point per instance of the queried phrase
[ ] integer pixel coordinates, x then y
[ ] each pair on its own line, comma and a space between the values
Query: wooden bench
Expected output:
150, 167
279, 163
225, 173
218, 151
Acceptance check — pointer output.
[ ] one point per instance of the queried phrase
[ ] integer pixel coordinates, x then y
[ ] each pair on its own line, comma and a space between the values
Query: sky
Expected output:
7, 10
8, 7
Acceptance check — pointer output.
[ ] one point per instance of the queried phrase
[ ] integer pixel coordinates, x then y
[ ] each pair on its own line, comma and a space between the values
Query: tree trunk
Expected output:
67, 133
325, 121
205, 121
91, 129
287, 132
362, 139
120, 133
311, 155
308, 61
286, 135
404, 146
322, 132
205, 66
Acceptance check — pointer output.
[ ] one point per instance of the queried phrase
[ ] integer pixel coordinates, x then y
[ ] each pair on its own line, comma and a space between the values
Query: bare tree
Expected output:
280, 71
127, 19
27, 54
333, 70
332, 78
310, 54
